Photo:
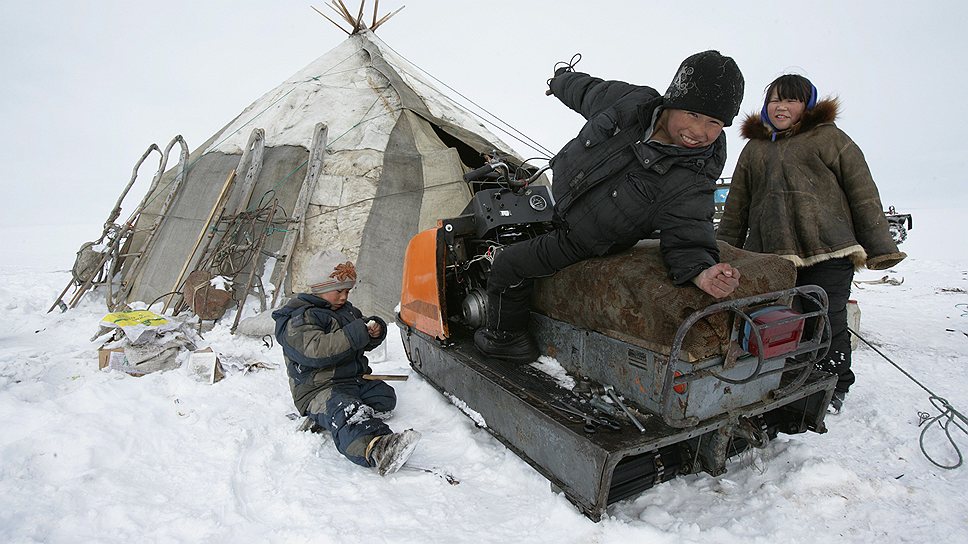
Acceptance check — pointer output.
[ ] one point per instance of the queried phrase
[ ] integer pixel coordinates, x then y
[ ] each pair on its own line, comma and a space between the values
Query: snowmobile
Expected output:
899, 224
659, 380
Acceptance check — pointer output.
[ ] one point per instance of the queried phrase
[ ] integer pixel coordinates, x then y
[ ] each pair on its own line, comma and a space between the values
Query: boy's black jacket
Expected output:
612, 189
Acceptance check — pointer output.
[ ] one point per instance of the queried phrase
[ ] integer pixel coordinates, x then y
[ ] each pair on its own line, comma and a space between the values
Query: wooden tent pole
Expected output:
385, 18
359, 18
344, 11
330, 20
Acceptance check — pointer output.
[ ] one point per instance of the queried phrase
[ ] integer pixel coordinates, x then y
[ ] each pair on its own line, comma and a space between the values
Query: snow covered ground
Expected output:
97, 456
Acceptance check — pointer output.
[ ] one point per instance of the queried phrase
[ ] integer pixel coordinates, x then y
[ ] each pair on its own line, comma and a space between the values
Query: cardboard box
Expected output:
205, 366
114, 359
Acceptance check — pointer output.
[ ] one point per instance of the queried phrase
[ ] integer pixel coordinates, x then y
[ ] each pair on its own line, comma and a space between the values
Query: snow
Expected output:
99, 456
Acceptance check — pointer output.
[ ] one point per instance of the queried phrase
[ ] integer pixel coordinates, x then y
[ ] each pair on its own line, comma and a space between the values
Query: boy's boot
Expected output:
512, 346
390, 451
515, 346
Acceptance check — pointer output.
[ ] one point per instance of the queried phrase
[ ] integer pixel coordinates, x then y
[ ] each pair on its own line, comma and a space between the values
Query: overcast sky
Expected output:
87, 86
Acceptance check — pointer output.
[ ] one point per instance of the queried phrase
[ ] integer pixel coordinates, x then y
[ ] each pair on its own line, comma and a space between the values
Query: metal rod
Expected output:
635, 421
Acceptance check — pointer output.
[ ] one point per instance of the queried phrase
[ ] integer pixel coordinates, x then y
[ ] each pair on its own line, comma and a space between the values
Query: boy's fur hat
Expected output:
330, 270
707, 83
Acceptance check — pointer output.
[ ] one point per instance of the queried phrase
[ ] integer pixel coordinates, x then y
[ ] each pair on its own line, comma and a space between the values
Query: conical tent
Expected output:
392, 163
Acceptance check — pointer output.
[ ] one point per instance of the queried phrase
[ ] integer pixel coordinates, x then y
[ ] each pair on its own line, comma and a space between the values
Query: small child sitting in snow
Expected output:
323, 339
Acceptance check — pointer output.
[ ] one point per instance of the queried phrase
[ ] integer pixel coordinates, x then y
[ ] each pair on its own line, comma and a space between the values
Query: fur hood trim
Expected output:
824, 112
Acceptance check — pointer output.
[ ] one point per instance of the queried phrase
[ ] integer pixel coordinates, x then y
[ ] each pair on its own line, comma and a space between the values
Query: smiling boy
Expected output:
642, 162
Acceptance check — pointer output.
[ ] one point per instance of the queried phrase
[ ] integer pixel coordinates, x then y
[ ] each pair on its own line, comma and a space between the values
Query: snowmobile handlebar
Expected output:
478, 174
537, 174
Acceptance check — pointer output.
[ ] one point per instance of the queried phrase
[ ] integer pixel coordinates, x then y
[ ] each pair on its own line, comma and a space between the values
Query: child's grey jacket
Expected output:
322, 346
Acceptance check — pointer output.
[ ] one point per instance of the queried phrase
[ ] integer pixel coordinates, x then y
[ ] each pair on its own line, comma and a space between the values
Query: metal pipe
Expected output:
635, 421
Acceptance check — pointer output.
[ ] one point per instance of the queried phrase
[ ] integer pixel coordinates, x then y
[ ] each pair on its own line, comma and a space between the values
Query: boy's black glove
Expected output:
563, 68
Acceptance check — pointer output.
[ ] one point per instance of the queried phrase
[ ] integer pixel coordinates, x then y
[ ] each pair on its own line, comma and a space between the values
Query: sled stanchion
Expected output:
251, 163
313, 170
60, 299
109, 225
253, 265
128, 279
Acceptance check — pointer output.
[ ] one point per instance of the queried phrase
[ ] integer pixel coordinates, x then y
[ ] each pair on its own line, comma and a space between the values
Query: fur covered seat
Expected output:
629, 296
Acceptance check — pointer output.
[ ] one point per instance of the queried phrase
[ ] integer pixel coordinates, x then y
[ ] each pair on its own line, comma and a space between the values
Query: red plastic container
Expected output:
777, 339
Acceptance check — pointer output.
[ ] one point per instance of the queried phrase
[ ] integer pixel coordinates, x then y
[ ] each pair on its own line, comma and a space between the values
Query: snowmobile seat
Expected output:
629, 296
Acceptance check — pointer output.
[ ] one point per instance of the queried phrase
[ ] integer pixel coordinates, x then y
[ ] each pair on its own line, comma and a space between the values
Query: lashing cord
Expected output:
948, 414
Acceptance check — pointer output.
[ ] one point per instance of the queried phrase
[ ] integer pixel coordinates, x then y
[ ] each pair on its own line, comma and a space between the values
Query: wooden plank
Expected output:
219, 203
386, 377
284, 261
251, 164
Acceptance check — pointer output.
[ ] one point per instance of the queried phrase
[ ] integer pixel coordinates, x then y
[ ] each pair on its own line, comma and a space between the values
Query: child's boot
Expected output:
390, 451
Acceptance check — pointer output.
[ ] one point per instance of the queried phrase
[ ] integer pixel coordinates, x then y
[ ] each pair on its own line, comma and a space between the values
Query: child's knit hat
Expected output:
330, 271
707, 83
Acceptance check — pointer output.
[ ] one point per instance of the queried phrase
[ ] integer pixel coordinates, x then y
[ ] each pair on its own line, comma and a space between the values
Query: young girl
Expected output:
802, 190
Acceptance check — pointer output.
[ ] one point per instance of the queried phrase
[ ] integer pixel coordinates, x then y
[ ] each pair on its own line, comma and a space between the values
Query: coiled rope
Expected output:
947, 417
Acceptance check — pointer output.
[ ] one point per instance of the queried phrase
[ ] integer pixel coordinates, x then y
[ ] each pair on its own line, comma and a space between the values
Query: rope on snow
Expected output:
948, 414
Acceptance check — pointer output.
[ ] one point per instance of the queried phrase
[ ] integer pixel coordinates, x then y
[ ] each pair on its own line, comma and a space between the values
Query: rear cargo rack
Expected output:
802, 358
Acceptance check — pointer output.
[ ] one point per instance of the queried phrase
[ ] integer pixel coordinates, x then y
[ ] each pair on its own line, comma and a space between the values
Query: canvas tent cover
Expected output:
394, 157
